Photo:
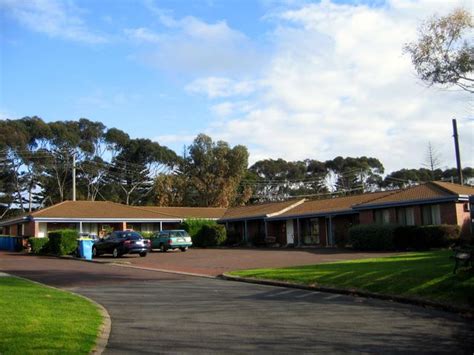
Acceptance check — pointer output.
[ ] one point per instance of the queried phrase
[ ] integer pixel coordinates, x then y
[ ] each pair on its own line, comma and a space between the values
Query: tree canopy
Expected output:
444, 51
36, 160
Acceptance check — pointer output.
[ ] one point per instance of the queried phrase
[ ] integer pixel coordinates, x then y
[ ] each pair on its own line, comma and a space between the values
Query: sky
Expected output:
289, 79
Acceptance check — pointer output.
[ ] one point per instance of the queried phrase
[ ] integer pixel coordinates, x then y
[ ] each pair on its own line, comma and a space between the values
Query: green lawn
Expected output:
426, 275
35, 319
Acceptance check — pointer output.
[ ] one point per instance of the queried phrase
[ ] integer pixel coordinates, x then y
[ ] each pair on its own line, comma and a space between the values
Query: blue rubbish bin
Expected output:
85, 248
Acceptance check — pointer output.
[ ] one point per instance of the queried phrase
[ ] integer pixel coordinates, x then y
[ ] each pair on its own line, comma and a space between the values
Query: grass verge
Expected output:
421, 275
40, 320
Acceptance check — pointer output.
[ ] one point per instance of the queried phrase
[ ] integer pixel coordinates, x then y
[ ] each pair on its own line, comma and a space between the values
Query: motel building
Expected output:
297, 222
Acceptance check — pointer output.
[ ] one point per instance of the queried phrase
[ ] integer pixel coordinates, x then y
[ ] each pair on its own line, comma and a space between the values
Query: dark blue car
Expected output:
120, 243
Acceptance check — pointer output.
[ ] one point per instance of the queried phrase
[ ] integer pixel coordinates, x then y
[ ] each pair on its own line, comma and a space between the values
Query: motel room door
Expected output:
290, 234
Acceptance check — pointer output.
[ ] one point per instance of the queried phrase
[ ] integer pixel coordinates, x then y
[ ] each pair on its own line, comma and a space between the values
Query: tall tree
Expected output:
432, 159
444, 51
356, 175
208, 175
280, 179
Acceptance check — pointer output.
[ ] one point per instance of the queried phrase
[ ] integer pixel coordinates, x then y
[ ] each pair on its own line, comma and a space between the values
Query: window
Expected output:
406, 216
310, 231
315, 230
410, 216
382, 216
431, 214
436, 214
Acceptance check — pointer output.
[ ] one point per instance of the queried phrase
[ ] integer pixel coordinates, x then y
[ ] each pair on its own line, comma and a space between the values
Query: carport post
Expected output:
246, 237
330, 237
298, 231
161, 226
80, 227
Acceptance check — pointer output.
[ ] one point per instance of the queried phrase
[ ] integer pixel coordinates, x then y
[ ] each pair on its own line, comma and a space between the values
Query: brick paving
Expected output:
215, 261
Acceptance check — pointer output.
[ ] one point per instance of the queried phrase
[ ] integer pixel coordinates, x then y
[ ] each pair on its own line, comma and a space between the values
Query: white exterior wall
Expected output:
42, 229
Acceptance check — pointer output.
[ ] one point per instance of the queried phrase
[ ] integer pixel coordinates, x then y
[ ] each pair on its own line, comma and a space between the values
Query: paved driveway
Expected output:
154, 312
217, 261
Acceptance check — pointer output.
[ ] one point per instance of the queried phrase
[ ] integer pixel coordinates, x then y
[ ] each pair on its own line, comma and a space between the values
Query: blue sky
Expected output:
291, 79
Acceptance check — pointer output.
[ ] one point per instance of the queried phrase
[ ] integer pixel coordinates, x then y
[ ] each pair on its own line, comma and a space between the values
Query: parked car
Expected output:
119, 243
171, 239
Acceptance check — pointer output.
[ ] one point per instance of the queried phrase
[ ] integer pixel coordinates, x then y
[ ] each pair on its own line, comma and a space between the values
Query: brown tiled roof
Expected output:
260, 210
188, 212
97, 209
455, 188
426, 191
330, 205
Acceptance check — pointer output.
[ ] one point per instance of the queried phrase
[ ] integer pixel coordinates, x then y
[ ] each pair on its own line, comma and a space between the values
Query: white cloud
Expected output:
58, 19
175, 138
142, 34
215, 87
194, 47
102, 100
339, 84
229, 108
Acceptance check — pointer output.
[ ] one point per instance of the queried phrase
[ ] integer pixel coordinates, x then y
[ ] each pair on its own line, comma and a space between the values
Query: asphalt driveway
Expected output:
155, 312
215, 261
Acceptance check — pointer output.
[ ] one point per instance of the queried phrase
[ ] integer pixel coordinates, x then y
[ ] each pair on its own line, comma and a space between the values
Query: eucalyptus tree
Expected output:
443, 54
355, 175
280, 179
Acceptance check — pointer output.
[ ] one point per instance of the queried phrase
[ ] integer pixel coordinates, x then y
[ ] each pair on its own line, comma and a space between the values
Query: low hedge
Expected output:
395, 237
63, 242
372, 236
209, 236
39, 245
440, 236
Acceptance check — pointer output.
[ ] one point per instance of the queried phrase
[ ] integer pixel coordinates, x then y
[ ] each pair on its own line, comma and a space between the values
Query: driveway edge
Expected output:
104, 329
464, 312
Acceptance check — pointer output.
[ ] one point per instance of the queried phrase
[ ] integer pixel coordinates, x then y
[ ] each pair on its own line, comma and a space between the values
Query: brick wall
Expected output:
464, 218
366, 217
31, 229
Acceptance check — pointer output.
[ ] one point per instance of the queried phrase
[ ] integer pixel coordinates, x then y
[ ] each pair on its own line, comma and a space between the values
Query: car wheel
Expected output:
115, 253
163, 248
183, 249
143, 254
94, 252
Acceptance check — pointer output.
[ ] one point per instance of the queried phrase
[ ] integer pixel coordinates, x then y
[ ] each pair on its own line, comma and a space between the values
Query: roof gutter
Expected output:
223, 220
105, 220
15, 220
411, 202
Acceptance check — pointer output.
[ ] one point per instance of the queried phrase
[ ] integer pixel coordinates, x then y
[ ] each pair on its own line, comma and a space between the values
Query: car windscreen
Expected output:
132, 236
178, 234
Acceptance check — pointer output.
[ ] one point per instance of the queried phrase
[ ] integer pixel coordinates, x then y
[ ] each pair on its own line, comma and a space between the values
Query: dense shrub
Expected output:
147, 235
372, 236
438, 236
387, 237
63, 242
209, 236
193, 226
405, 237
39, 245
